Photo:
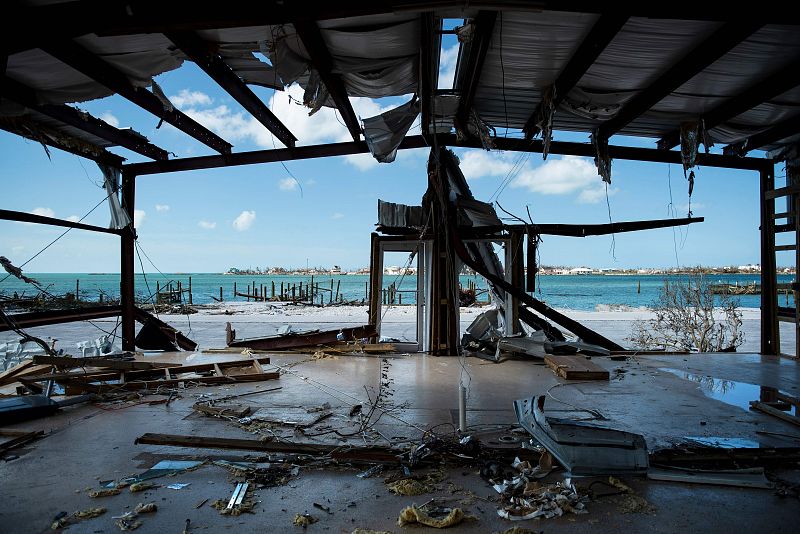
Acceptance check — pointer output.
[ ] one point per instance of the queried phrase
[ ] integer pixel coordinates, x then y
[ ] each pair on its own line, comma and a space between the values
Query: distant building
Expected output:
580, 270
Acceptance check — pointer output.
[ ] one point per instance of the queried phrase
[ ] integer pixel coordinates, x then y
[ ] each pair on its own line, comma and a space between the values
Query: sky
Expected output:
321, 212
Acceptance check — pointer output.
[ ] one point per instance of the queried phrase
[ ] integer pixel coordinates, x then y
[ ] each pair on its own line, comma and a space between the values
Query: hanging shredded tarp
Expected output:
119, 218
601, 158
386, 131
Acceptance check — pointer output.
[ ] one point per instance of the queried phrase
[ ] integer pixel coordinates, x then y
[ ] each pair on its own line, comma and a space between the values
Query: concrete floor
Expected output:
660, 397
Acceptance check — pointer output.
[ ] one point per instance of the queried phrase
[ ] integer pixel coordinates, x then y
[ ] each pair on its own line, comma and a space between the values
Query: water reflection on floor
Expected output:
731, 392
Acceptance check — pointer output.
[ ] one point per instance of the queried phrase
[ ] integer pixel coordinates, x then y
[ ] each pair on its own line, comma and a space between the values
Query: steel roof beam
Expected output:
601, 34
25, 96
203, 54
696, 61
92, 66
322, 61
786, 78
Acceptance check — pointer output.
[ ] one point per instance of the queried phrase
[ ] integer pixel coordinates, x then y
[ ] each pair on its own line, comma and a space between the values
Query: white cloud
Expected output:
73, 218
323, 127
311, 181
208, 225
558, 176
287, 184
138, 218
447, 67
337, 215
187, 98
479, 163
162, 207
110, 119
244, 221
44, 212
595, 194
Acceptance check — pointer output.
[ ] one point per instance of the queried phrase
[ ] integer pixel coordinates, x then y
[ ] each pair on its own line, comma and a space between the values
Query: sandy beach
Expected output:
251, 319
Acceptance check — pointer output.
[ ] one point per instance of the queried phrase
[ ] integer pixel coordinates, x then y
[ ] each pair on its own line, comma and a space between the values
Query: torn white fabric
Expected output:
385, 132
119, 218
165, 102
601, 157
316, 94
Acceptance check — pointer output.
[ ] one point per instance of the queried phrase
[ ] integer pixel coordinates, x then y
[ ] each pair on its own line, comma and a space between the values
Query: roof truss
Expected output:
321, 59
202, 53
601, 34
784, 79
92, 66
83, 121
469, 79
698, 59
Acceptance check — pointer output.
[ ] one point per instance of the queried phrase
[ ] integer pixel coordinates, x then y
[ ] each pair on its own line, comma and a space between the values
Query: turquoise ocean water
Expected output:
579, 292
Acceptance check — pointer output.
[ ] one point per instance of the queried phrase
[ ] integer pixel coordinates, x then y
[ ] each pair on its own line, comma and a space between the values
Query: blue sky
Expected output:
208, 221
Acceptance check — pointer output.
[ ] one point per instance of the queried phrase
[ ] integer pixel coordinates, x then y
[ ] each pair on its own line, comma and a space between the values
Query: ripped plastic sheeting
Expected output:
601, 157
583, 449
385, 132
111, 177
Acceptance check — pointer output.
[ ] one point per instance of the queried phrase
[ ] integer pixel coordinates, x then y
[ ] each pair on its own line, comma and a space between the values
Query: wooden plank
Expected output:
337, 452
25, 373
166, 372
87, 385
575, 368
763, 407
291, 341
218, 369
18, 438
107, 363
6, 377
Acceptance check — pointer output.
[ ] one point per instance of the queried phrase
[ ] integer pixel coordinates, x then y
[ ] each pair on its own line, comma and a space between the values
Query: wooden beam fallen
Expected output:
18, 438
575, 367
336, 452
107, 363
780, 414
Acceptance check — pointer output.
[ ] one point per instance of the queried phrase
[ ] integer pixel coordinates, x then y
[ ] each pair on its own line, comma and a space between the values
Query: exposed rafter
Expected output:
698, 59
322, 61
784, 79
25, 27
782, 130
92, 66
20, 216
601, 34
204, 55
473, 65
429, 51
419, 141
62, 141
25, 96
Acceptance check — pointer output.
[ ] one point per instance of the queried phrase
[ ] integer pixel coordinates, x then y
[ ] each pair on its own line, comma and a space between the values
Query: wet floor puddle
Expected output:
731, 392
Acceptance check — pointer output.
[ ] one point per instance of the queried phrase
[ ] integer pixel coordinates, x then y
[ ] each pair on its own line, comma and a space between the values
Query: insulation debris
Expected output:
409, 487
143, 508
412, 514
89, 513
630, 502
142, 486
304, 520
108, 492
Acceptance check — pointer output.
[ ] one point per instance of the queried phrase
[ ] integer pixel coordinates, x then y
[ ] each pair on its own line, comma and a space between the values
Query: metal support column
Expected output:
770, 341
375, 282
515, 275
126, 264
